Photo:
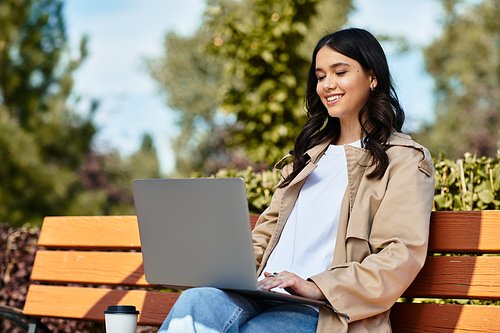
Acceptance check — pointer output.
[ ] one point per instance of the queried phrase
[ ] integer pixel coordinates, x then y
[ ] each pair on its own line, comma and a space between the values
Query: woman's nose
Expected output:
329, 83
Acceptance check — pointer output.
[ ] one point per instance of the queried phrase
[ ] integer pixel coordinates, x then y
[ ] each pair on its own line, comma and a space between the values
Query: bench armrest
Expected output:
18, 318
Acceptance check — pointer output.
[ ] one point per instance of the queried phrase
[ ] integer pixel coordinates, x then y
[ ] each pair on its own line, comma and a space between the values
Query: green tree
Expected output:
238, 83
42, 141
465, 64
108, 177
260, 43
191, 80
49, 166
144, 163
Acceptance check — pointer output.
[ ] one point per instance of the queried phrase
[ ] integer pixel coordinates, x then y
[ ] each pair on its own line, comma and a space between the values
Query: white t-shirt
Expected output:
307, 242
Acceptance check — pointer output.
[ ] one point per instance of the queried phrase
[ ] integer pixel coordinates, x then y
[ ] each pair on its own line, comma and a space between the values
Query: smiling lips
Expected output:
333, 98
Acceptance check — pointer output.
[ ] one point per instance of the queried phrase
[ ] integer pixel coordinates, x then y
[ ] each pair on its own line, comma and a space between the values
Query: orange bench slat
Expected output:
475, 231
95, 232
90, 303
444, 318
442, 277
113, 268
475, 277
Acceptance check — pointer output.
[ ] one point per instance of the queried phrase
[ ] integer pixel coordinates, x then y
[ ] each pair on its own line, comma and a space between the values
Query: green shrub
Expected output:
260, 186
471, 183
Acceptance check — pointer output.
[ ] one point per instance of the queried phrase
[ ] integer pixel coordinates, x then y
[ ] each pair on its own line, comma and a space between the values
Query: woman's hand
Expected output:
291, 283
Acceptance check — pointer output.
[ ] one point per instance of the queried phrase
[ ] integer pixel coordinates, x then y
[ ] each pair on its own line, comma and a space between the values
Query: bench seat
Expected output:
85, 264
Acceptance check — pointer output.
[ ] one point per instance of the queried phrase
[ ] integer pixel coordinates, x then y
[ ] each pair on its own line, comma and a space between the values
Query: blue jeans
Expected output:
213, 310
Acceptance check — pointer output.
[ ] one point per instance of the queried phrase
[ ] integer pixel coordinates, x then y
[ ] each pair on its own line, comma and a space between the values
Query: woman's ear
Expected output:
373, 79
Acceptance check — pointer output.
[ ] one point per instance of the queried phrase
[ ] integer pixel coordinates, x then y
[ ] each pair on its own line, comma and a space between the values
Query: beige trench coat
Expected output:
382, 237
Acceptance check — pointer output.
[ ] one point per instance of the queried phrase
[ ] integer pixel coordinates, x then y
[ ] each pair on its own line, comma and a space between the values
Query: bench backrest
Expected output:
89, 252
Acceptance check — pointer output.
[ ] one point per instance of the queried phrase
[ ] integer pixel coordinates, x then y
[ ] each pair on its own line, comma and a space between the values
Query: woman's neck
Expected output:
349, 133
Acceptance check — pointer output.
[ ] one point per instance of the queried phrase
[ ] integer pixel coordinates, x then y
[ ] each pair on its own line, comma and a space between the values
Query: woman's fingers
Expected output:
292, 283
271, 281
282, 280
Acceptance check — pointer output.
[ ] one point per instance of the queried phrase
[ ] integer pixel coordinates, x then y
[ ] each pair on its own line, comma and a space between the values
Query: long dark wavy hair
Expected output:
378, 117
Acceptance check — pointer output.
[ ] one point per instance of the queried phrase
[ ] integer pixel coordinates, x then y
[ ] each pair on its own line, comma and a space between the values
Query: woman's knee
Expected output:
216, 300
200, 295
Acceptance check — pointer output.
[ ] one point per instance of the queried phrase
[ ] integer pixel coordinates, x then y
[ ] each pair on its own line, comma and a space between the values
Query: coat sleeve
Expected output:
395, 246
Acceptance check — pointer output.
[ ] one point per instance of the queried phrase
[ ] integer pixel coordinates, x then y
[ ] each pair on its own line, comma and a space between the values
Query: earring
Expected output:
372, 88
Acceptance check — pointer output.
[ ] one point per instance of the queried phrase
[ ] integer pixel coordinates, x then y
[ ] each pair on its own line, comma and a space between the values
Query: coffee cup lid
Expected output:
124, 309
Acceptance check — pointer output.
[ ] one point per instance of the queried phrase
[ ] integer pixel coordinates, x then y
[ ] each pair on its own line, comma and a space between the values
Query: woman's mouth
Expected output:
334, 98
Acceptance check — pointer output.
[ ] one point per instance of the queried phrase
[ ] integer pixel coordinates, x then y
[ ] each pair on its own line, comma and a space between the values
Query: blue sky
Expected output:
124, 32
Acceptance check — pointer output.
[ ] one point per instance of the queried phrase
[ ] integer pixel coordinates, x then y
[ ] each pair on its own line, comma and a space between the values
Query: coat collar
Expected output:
396, 139
315, 153
356, 158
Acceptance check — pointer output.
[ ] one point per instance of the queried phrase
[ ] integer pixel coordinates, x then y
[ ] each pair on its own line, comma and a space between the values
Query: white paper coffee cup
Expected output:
121, 319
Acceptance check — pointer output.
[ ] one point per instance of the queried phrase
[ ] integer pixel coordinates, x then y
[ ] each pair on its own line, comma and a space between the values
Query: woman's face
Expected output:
343, 85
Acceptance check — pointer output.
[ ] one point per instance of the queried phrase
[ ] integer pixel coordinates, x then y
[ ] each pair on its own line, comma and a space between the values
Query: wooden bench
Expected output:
78, 255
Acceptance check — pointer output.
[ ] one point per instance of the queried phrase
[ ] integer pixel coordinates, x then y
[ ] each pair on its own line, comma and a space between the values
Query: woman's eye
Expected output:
320, 78
341, 73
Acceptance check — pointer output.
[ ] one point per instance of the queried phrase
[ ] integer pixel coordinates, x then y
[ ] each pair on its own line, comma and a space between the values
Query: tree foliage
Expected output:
238, 83
260, 43
191, 80
42, 141
45, 147
107, 179
465, 64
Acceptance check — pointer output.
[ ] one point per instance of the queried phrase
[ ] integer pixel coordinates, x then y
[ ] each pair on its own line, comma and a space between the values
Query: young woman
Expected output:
349, 220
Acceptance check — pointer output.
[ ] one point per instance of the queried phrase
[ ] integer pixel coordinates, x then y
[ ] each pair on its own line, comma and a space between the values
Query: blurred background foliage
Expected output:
48, 163
467, 183
260, 50
238, 83
260, 186
465, 64
251, 58
237, 87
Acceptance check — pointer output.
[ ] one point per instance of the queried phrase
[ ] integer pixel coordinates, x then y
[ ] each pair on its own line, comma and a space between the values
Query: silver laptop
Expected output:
196, 233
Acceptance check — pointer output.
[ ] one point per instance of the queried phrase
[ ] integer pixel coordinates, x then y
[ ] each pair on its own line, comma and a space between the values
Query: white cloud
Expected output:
121, 33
